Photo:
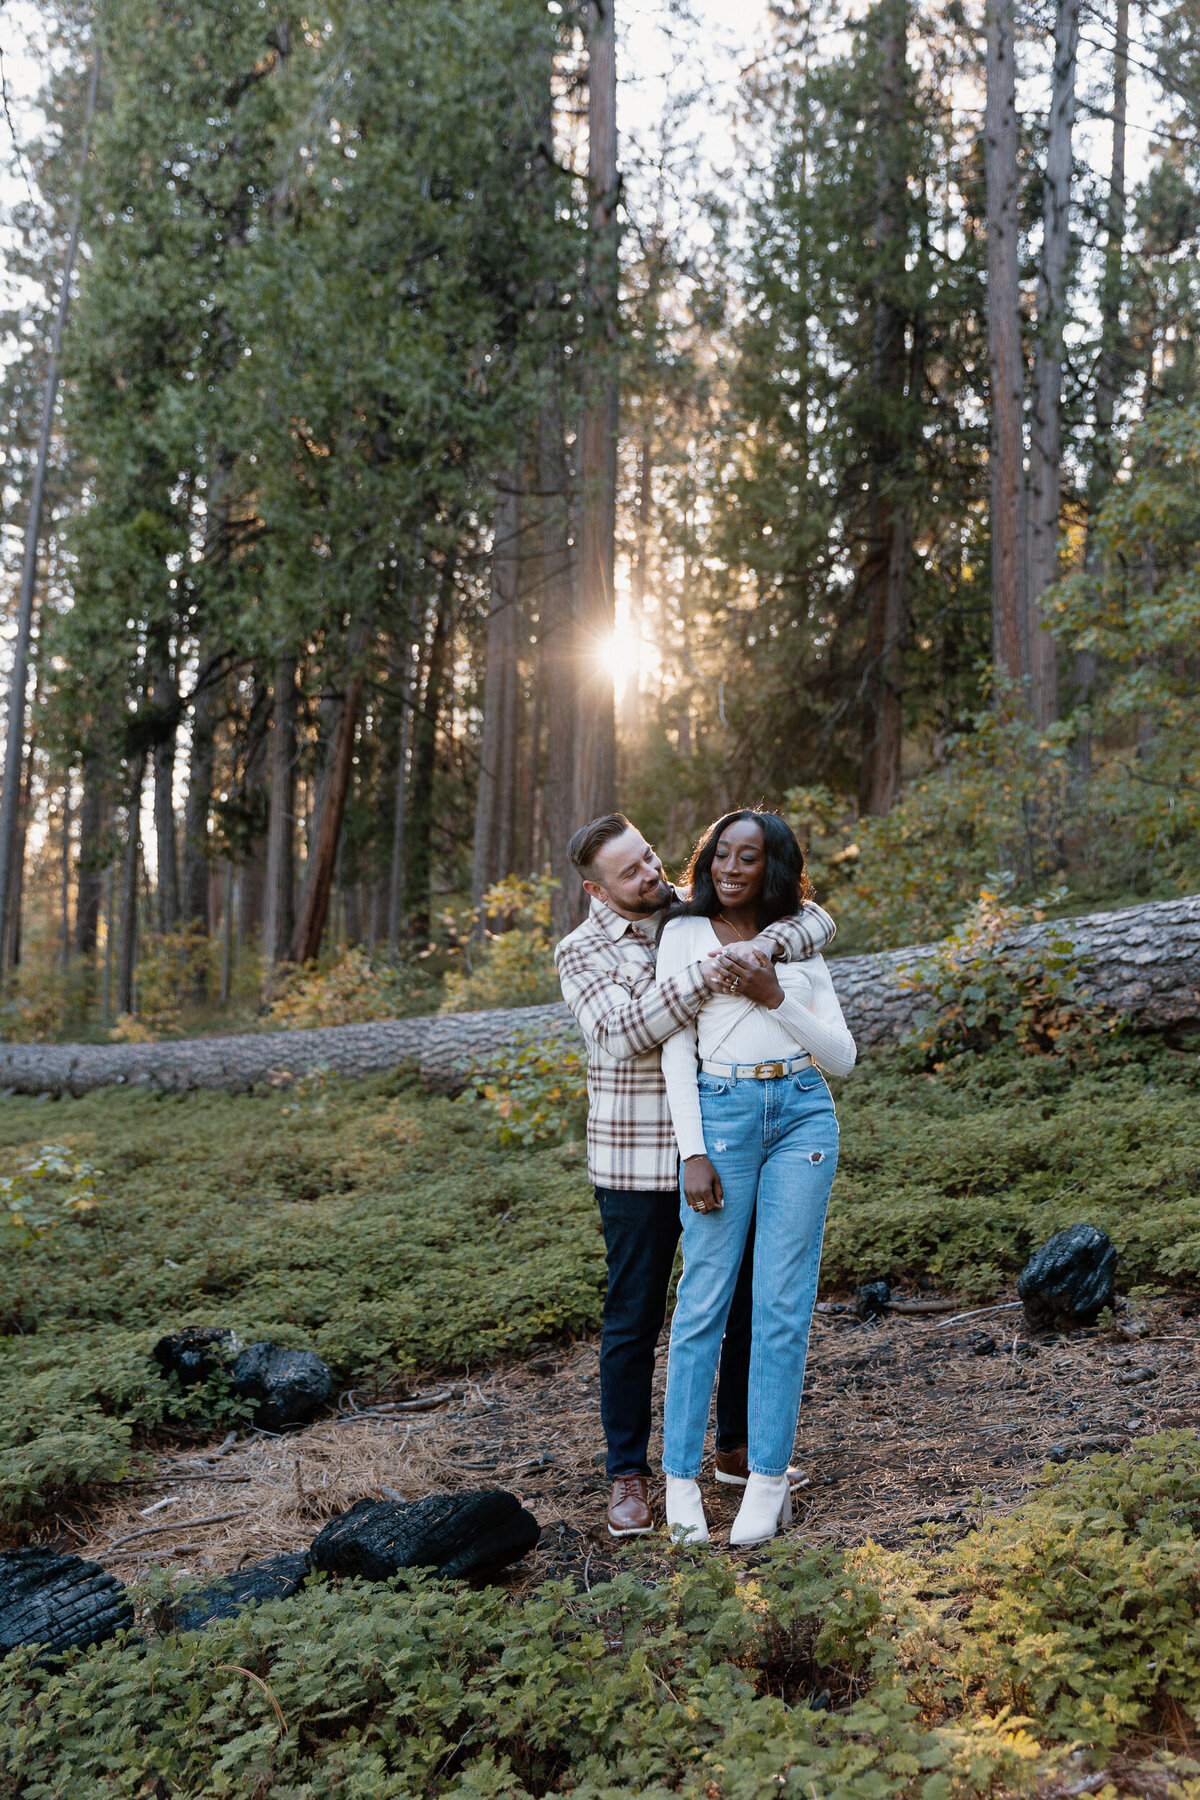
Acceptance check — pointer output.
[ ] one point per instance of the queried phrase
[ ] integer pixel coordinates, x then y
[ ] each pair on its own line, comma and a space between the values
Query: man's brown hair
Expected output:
587, 843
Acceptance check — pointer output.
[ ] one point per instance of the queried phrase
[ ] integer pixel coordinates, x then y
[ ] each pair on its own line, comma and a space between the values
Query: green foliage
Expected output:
535, 1091
375, 1226
50, 1190
1070, 1622
985, 990
997, 801
389, 1231
514, 966
352, 989
1136, 605
1084, 1608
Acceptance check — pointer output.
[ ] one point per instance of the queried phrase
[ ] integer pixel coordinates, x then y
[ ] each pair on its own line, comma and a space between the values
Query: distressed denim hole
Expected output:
817, 1156
720, 1145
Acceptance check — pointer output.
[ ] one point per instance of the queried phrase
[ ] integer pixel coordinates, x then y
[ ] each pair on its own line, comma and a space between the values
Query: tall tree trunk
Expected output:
496, 796
424, 760
631, 698
90, 877
398, 871
278, 915
1110, 364
327, 825
198, 806
252, 874
1009, 646
166, 701
12, 953
595, 761
127, 956
65, 879
10, 785
557, 660
1045, 445
886, 566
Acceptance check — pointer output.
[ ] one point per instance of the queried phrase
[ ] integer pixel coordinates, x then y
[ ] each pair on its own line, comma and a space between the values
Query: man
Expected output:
606, 967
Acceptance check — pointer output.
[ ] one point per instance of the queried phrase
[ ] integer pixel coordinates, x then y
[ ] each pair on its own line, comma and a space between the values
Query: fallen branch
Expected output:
179, 1525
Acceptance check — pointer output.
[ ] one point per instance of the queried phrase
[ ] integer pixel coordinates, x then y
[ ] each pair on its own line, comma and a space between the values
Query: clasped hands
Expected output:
745, 970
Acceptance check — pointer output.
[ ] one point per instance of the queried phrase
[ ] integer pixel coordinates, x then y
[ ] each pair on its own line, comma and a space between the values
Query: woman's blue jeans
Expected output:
774, 1145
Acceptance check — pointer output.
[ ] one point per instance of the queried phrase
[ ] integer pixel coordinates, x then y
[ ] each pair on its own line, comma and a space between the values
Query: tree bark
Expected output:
10, 784
1045, 445
166, 701
398, 872
424, 761
65, 875
886, 567
595, 761
252, 873
198, 805
278, 915
1110, 369
496, 796
1140, 962
322, 857
127, 956
1009, 646
557, 661
90, 877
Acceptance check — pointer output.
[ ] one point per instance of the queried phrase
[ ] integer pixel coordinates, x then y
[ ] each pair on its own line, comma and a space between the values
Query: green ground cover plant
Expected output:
392, 1233
1054, 1631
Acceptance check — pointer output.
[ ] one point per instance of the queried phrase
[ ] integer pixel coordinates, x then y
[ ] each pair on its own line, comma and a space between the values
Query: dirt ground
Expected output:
907, 1422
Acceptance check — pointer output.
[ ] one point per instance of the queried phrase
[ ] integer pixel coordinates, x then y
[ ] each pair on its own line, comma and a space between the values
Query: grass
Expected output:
384, 1229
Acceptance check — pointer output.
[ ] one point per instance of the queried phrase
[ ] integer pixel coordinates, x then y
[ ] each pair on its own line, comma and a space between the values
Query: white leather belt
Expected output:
765, 1071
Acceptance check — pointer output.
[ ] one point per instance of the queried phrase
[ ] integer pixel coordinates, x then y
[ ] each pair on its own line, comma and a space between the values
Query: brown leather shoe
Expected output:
733, 1468
628, 1507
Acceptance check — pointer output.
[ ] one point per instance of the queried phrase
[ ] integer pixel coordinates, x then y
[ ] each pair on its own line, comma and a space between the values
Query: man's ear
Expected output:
596, 891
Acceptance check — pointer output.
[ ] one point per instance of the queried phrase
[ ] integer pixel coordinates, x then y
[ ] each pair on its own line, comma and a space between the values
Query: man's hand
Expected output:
745, 971
702, 1185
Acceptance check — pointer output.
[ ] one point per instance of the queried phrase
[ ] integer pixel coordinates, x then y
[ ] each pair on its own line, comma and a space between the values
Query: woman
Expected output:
758, 1140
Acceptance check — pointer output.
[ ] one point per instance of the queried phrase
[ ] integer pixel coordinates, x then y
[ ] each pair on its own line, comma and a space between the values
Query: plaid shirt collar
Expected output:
614, 926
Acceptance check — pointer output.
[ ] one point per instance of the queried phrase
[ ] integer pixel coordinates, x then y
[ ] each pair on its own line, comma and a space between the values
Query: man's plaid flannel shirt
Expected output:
606, 967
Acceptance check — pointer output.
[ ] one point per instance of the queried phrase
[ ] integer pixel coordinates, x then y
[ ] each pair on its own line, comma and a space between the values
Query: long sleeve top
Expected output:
729, 1029
625, 1011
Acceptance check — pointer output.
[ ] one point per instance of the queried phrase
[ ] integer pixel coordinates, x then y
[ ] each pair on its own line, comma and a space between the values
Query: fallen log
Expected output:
1142, 962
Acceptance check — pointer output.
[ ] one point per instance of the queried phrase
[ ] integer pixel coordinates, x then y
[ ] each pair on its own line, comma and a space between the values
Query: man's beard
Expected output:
664, 897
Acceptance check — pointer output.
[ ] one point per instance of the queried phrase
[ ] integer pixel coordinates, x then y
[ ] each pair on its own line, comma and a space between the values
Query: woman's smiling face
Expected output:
739, 864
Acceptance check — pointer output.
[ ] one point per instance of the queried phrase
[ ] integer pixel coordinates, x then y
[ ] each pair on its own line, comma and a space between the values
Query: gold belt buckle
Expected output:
768, 1071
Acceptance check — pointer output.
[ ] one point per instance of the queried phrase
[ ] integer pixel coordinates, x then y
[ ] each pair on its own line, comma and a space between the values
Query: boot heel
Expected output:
767, 1505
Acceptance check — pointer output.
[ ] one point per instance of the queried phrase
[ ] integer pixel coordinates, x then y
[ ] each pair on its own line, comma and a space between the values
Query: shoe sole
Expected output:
740, 1480
630, 1531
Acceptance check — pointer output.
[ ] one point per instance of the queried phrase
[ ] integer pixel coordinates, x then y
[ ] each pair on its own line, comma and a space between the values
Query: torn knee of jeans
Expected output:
816, 1156
720, 1145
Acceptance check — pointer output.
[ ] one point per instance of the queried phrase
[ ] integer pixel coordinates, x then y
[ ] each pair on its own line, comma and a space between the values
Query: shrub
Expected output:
356, 988
509, 967
1069, 1623
535, 1091
50, 1191
985, 989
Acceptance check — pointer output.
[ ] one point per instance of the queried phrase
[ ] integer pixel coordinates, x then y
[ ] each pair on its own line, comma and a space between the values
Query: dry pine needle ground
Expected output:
906, 1424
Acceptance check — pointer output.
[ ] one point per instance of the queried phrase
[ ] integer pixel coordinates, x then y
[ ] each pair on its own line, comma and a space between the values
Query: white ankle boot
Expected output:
685, 1512
766, 1504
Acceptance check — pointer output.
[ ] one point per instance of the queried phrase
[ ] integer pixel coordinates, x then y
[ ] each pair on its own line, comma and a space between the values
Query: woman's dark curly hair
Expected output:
785, 885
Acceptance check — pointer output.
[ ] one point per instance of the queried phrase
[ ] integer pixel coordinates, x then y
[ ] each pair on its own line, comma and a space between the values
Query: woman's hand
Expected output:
749, 974
702, 1185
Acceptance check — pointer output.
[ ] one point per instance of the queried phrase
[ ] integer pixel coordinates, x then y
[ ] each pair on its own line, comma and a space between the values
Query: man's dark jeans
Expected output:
641, 1230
